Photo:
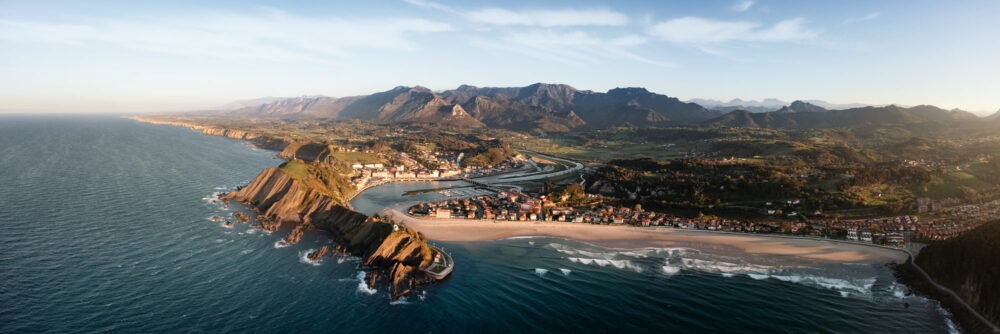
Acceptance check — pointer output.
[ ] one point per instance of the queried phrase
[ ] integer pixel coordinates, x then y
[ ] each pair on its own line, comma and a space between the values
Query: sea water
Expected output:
107, 228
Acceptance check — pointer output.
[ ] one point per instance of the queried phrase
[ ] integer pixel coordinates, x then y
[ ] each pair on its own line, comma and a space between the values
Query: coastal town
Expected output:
513, 205
449, 168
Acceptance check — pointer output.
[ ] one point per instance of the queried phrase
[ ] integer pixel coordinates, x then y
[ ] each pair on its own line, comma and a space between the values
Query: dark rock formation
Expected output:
317, 255
397, 256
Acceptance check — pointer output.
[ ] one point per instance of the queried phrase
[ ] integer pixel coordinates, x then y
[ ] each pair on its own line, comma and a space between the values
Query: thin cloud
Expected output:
742, 6
432, 5
700, 31
272, 36
868, 17
516, 32
548, 18
535, 18
576, 47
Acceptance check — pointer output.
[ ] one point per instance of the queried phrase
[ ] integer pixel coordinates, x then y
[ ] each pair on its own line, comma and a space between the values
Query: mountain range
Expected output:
557, 107
801, 115
549, 107
766, 105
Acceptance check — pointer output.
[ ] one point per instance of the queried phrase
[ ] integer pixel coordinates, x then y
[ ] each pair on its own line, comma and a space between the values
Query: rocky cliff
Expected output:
395, 255
261, 141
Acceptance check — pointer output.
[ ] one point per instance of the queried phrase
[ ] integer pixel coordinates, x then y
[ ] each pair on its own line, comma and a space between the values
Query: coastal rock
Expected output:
243, 218
397, 255
296, 235
317, 255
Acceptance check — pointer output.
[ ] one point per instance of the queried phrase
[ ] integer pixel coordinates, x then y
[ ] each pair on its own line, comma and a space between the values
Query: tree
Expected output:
969, 194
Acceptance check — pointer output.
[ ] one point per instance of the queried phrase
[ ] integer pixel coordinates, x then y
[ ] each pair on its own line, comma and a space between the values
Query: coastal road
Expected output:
906, 241
571, 167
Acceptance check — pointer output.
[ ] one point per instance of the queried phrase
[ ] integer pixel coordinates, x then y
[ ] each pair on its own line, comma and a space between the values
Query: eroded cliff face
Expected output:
258, 140
397, 256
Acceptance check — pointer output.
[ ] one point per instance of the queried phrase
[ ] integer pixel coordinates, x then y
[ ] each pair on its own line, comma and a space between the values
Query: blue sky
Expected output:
99, 56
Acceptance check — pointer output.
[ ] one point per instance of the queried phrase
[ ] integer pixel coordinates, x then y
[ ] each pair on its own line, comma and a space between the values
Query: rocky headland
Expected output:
395, 253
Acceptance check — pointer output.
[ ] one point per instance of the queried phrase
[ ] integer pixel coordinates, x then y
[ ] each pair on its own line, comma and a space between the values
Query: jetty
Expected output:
442, 265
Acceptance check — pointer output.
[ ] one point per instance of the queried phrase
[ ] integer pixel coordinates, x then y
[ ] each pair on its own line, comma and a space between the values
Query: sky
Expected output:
142, 56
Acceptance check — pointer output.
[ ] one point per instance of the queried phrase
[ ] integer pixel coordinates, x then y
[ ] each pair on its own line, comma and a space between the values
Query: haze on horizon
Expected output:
105, 56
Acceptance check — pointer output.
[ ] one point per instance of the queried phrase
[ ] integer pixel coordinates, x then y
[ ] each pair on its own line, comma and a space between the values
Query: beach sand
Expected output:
464, 230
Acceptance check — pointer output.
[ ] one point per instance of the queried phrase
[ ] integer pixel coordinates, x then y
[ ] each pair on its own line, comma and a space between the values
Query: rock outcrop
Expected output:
317, 255
397, 255
258, 140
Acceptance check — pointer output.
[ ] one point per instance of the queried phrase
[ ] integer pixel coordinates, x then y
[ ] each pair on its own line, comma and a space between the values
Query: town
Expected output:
368, 175
513, 205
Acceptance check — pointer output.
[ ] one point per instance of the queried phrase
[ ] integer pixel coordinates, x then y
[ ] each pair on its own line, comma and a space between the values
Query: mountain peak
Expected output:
801, 106
628, 91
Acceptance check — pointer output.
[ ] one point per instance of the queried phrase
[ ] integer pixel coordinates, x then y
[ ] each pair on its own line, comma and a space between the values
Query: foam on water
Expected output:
541, 272
304, 257
671, 270
620, 264
280, 244
565, 271
362, 286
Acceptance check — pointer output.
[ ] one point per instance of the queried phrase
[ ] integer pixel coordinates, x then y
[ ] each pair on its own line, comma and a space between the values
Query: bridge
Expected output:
482, 184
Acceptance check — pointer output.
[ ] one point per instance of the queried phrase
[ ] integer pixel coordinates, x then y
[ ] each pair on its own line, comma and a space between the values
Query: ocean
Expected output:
107, 228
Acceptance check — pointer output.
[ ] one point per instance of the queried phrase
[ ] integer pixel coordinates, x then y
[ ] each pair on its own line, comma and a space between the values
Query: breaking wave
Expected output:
304, 257
620, 264
362, 286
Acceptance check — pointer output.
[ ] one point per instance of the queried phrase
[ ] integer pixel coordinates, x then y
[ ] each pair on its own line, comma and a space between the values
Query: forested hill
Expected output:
806, 116
969, 265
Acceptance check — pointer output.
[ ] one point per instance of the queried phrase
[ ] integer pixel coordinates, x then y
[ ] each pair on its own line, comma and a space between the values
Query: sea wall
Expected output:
395, 256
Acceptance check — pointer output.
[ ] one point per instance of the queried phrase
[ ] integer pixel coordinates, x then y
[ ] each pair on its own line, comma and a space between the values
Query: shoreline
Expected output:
625, 237
462, 230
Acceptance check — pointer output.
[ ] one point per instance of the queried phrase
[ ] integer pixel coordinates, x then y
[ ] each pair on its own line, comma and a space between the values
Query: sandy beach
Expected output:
635, 237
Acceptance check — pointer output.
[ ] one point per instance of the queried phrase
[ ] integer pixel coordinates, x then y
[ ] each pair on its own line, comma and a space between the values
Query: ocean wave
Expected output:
541, 272
671, 270
362, 286
523, 237
952, 327
304, 257
247, 251
565, 271
620, 264
613, 254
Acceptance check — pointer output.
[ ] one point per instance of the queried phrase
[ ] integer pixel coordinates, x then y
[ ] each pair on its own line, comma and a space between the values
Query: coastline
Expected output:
463, 230
620, 237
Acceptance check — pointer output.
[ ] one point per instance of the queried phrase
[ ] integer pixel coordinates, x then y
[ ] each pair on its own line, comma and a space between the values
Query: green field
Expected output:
296, 169
356, 157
